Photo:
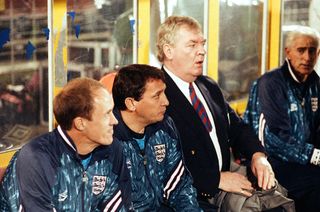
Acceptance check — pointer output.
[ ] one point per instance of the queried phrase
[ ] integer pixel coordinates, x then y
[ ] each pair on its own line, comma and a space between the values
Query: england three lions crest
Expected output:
160, 151
98, 184
314, 104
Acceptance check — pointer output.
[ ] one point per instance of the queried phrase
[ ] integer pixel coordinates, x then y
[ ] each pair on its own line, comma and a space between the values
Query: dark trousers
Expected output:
206, 206
302, 183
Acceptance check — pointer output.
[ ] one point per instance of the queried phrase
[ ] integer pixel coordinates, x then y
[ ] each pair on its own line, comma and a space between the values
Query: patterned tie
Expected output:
198, 106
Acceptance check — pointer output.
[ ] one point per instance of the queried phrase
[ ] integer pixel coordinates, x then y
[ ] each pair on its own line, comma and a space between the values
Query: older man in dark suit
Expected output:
207, 125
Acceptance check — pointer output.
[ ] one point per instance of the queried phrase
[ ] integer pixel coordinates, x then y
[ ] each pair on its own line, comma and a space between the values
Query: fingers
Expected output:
266, 179
245, 186
272, 181
263, 171
234, 182
245, 193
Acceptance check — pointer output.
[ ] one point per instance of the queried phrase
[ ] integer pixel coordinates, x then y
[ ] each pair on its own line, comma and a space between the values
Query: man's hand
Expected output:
236, 183
262, 169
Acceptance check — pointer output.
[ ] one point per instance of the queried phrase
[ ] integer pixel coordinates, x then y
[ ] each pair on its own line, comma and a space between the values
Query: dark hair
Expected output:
75, 100
130, 82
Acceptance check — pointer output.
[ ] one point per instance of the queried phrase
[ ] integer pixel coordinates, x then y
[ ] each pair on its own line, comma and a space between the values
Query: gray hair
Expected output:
298, 31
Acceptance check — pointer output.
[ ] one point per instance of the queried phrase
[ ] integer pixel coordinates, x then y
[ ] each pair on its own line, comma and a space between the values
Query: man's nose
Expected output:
202, 51
114, 120
165, 101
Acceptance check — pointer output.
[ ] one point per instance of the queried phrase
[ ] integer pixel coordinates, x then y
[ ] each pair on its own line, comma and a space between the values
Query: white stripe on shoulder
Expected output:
65, 138
262, 123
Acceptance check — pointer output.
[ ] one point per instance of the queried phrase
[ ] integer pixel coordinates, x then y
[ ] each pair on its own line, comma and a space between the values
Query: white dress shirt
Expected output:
184, 88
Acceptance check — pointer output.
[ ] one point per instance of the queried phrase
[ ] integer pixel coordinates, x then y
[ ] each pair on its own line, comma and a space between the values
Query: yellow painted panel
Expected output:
213, 39
2, 5
239, 106
5, 158
59, 15
60, 47
274, 33
143, 31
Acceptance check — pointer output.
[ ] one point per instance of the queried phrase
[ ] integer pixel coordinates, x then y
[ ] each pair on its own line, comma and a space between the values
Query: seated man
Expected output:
207, 125
283, 109
151, 142
77, 166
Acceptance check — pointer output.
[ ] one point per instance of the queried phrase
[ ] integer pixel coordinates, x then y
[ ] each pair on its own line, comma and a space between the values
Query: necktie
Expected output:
199, 108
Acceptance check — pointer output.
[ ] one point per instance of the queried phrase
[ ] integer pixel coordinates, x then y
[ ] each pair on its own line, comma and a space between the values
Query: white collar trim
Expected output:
291, 72
65, 138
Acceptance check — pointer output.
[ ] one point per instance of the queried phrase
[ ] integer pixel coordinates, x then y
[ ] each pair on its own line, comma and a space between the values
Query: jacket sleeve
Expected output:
278, 131
34, 174
242, 137
178, 189
121, 170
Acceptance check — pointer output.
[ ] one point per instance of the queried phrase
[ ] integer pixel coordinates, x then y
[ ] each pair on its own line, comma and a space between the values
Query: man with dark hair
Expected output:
77, 166
151, 142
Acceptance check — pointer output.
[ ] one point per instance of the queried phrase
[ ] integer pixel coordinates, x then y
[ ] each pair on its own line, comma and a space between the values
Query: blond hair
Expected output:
168, 30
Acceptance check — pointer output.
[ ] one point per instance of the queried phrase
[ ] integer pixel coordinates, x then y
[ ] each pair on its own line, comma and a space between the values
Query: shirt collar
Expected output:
291, 72
182, 85
66, 138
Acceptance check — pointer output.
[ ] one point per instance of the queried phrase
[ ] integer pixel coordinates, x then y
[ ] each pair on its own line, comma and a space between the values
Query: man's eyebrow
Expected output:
158, 92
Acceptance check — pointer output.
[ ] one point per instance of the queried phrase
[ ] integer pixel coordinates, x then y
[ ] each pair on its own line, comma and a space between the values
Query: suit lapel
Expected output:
181, 104
192, 120
218, 114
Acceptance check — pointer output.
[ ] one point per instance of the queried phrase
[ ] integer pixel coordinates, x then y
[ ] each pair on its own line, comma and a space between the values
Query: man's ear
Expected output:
79, 123
287, 51
168, 51
130, 103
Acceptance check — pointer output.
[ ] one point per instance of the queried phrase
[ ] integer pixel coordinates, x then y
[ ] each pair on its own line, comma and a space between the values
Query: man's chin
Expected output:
108, 141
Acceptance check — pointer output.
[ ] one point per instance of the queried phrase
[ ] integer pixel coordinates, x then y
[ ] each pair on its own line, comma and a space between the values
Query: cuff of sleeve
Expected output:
315, 158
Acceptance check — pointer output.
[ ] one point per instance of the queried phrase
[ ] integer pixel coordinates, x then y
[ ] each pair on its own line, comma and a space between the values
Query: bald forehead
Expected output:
102, 93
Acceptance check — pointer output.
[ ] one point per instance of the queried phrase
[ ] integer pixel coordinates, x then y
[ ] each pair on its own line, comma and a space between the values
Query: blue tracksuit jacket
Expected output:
47, 175
158, 173
285, 114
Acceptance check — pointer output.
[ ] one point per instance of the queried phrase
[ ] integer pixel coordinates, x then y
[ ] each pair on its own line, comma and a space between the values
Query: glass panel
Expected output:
161, 9
240, 45
300, 12
104, 39
23, 72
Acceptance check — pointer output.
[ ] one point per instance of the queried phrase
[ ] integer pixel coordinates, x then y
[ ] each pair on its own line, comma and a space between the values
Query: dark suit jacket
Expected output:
199, 153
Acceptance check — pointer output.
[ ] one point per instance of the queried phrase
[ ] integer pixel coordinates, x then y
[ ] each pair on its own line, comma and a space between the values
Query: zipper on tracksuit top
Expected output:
84, 181
84, 161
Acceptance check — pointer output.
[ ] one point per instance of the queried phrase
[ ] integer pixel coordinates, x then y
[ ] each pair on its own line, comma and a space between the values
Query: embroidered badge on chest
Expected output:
98, 184
293, 107
63, 196
314, 104
160, 151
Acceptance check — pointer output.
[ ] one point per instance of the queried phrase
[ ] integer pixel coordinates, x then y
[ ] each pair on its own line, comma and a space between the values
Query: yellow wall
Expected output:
274, 33
5, 158
143, 31
213, 39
